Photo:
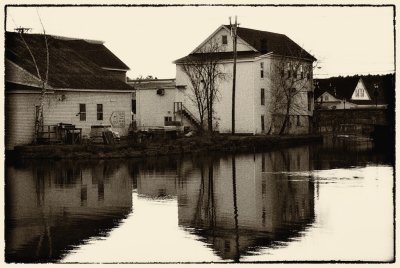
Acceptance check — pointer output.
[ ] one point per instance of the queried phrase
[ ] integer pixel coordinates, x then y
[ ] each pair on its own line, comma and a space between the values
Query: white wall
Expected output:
20, 112
244, 100
152, 108
241, 44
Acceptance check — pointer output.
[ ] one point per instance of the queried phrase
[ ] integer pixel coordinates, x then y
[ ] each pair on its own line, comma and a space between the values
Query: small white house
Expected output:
257, 57
354, 92
86, 86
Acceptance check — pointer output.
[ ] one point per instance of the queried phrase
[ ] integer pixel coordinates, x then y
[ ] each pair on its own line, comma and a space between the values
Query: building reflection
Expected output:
238, 204
53, 207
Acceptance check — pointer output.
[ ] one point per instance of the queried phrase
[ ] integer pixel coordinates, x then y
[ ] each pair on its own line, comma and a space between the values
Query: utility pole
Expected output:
234, 38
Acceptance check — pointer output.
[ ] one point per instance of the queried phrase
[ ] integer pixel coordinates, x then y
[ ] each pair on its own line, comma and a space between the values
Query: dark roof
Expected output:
97, 53
73, 63
266, 42
263, 42
343, 87
218, 55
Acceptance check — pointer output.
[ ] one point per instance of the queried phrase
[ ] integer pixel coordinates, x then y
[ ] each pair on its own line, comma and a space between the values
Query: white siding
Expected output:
241, 44
19, 119
20, 112
152, 108
223, 107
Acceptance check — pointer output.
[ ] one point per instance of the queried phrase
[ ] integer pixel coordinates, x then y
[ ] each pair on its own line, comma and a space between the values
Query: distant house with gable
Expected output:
355, 92
86, 86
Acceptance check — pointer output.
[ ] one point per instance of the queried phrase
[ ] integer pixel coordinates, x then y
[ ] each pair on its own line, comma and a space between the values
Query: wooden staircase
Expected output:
179, 108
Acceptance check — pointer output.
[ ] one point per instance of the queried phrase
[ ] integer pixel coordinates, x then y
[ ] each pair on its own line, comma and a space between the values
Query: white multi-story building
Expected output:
259, 54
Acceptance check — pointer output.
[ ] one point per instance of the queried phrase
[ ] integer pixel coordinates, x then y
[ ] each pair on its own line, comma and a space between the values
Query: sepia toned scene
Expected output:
224, 134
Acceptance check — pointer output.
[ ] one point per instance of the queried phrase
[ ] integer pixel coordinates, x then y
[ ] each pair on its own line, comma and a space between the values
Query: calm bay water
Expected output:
330, 201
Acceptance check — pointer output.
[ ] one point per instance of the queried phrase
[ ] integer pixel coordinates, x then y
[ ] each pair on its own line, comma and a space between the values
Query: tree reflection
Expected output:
245, 205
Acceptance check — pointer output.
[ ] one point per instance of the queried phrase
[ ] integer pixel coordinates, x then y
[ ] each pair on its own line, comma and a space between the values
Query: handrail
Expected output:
191, 115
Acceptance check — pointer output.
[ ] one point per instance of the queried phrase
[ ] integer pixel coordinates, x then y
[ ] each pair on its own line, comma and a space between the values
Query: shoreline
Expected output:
185, 145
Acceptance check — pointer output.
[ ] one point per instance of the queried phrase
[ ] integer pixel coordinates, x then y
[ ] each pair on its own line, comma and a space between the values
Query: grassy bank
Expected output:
185, 145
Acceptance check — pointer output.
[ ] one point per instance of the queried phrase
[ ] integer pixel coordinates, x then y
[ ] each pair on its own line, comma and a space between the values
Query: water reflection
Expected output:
239, 204
51, 207
235, 206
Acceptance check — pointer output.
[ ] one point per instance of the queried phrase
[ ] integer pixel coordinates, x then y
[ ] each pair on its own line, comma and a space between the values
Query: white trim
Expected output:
114, 69
268, 55
324, 101
95, 90
155, 88
353, 96
29, 84
92, 41
273, 55
34, 77
207, 39
22, 91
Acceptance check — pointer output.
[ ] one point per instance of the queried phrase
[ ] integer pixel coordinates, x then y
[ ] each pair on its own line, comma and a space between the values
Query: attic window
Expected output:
224, 40
360, 92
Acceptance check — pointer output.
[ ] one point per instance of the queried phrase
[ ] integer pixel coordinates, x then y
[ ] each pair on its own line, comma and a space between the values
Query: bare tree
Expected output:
205, 73
289, 91
43, 77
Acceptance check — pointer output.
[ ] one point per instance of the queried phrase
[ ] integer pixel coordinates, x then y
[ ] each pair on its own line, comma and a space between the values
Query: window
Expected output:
308, 76
294, 73
262, 124
301, 72
224, 40
298, 121
326, 98
99, 111
262, 96
134, 106
309, 100
262, 69
167, 119
289, 68
82, 112
227, 246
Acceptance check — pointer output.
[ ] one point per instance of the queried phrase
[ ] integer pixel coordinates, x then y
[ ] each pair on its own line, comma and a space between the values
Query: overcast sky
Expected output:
345, 40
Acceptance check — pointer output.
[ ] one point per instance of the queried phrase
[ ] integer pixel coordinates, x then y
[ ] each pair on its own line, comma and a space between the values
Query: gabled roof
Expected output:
343, 87
266, 42
74, 63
